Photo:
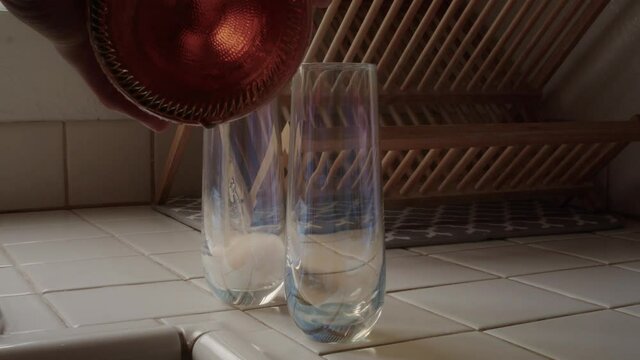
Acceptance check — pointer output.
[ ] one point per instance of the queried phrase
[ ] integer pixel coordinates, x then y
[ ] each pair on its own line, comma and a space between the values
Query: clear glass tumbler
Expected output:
335, 274
243, 209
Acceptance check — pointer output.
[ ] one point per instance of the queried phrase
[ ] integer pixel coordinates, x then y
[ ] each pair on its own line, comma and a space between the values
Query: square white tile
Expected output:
422, 271
514, 260
12, 283
535, 239
132, 302
598, 248
493, 303
399, 322
607, 286
192, 327
166, 242
82, 274
633, 265
68, 250
593, 336
394, 253
470, 345
4, 259
631, 310
264, 344
27, 313
187, 264
108, 161
142, 225
436, 249
39, 218
80, 230
279, 300
98, 215
31, 157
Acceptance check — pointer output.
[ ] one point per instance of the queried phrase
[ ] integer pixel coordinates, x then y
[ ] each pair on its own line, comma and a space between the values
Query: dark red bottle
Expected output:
199, 61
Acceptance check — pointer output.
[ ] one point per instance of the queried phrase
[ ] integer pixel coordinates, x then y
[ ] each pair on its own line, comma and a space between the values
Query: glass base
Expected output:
333, 332
246, 298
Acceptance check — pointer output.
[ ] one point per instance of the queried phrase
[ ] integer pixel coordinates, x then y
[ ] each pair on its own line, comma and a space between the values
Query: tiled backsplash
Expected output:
88, 163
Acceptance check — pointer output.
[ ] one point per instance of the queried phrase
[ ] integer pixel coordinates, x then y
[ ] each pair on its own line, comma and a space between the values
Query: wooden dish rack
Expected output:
460, 84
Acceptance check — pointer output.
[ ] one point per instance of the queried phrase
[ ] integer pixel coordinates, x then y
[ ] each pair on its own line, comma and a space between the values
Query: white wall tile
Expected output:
108, 161
31, 159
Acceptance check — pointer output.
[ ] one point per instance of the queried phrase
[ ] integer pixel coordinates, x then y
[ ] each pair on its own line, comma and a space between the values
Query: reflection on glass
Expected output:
335, 251
243, 209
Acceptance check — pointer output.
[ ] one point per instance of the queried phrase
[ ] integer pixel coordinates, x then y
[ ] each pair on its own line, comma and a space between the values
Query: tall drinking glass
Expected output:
335, 275
243, 209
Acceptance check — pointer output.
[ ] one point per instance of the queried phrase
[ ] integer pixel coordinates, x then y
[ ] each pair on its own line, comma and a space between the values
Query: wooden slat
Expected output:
402, 169
457, 56
416, 68
564, 164
322, 30
504, 37
338, 39
484, 135
507, 57
363, 30
608, 153
444, 165
413, 42
378, 39
392, 48
178, 145
540, 156
535, 41
570, 176
450, 38
460, 167
478, 167
432, 155
489, 35
498, 165
548, 165
569, 41
517, 163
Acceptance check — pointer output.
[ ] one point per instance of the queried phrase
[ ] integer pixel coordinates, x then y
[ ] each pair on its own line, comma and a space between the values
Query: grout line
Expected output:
152, 166
47, 292
27, 278
65, 163
517, 345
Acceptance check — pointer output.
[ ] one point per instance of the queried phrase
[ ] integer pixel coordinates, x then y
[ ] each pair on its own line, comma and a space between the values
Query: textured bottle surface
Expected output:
199, 61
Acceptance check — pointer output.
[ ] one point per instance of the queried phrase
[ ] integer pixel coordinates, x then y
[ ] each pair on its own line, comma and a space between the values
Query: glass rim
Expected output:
337, 66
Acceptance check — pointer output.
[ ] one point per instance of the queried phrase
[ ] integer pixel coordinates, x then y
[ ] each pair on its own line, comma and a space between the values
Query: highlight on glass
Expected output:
243, 209
335, 276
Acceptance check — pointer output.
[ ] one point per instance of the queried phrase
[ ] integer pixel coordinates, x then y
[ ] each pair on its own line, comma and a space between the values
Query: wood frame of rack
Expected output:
476, 69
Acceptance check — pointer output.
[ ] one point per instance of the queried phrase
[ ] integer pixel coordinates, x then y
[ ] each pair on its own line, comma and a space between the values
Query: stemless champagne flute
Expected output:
243, 209
335, 276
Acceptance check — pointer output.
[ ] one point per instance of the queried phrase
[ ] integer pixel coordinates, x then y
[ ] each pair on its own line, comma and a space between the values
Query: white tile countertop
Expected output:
127, 283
